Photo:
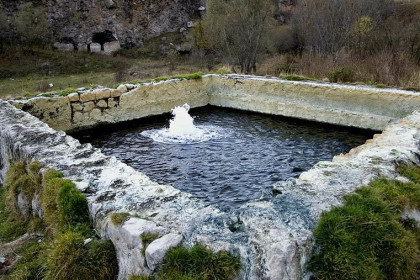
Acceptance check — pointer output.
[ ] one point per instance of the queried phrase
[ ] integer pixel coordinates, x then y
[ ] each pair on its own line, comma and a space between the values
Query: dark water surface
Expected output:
256, 152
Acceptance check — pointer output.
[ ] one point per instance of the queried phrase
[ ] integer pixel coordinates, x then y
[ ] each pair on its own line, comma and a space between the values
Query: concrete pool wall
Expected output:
273, 236
355, 106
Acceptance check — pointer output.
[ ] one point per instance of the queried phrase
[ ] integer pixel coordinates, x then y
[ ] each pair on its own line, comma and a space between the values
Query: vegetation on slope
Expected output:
374, 42
68, 248
368, 237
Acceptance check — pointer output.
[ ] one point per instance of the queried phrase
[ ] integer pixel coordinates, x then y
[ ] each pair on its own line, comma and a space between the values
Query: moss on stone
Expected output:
119, 218
146, 239
72, 205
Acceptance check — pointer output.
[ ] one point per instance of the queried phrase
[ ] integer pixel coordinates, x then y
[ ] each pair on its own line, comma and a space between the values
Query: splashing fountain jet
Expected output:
182, 123
183, 131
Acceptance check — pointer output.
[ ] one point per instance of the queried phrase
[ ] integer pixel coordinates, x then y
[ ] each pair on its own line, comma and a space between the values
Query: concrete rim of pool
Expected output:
273, 238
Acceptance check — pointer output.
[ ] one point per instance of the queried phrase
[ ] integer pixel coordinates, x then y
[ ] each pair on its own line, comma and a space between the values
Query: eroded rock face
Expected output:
273, 236
127, 22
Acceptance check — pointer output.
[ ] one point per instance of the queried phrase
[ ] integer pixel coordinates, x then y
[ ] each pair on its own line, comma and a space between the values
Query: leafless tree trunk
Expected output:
238, 30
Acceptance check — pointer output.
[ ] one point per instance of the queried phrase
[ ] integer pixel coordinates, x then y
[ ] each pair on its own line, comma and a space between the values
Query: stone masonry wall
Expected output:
272, 236
355, 106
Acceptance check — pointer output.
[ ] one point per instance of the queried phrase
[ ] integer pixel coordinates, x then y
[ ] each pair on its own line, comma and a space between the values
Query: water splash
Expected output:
182, 129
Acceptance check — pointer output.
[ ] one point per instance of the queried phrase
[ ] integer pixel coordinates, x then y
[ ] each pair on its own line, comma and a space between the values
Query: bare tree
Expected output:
330, 25
3, 27
238, 29
31, 25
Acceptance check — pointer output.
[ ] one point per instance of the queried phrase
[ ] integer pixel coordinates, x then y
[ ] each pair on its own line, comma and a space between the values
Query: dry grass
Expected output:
22, 76
383, 68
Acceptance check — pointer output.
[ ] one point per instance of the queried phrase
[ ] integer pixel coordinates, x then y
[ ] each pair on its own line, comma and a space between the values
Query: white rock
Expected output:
156, 251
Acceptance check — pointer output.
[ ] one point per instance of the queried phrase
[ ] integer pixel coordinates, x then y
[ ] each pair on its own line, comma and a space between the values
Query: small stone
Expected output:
102, 104
88, 106
202, 8
129, 86
190, 24
96, 114
121, 89
156, 251
182, 29
78, 117
112, 103
87, 241
73, 96
77, 106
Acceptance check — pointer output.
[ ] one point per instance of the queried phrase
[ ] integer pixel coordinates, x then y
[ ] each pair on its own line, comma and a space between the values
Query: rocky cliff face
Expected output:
130, 22
88, 25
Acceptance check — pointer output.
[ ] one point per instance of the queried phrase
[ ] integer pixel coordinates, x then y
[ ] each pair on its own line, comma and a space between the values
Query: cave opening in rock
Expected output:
103, 37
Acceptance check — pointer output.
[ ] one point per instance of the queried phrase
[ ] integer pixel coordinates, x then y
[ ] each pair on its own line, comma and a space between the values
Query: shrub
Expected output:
366, 238
198, 263
343, 74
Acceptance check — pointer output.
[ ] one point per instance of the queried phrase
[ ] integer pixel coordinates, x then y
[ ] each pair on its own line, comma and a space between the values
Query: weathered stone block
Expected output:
112, 103
156, 251
102, 104
73, 96
82, 47
115, 93
88, 96
95, 47
88, 106
102, 93
110, 47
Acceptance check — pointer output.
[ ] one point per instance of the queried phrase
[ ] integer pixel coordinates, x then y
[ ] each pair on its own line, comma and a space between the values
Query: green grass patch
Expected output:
10, 228
366, 238
70, 258
198, 263
119, 218
72, 205
191, 76
32, 262
146, 239
295, 78
64, 253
